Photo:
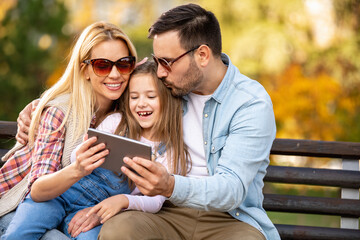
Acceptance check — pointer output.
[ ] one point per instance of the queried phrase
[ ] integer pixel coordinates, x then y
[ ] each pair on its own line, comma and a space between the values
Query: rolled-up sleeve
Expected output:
49, 144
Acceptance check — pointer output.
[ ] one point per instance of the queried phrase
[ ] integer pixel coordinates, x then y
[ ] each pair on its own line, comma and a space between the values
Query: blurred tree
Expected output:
302, 102
134, 17
31, 46
342, 61
305, 53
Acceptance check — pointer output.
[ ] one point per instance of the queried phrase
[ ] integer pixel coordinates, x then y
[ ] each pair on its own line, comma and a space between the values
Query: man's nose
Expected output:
161, 72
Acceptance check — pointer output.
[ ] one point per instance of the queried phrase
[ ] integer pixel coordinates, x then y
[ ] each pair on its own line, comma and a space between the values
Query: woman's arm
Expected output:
47, 179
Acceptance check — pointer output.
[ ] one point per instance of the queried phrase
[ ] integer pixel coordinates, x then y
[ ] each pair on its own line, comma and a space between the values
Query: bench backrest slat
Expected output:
294, 232
7, 129
312, 205
312, 148
313, 176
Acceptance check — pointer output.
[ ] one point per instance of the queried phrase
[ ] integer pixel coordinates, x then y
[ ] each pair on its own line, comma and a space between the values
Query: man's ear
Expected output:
203, 53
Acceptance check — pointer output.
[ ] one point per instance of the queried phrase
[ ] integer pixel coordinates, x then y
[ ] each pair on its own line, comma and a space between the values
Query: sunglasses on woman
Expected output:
102, 67
167, 63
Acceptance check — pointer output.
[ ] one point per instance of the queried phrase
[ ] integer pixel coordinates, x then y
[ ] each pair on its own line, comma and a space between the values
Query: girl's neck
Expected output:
149, 135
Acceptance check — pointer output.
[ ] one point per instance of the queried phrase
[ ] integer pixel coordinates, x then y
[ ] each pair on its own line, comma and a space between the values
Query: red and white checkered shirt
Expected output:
43, 158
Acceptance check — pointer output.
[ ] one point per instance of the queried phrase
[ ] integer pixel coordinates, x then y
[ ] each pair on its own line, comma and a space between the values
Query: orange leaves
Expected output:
306, 106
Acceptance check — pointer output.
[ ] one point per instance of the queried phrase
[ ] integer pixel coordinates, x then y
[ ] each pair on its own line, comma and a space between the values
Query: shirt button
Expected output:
206, 115
205, 143
237, 214
213, 148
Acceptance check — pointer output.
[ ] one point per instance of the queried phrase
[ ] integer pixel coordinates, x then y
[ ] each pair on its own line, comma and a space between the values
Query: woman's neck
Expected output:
102, 111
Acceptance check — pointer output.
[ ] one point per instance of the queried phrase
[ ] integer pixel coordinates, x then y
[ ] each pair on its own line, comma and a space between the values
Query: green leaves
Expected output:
31, 33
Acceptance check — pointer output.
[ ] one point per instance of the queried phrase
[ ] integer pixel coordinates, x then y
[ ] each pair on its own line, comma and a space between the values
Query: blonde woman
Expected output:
95, 78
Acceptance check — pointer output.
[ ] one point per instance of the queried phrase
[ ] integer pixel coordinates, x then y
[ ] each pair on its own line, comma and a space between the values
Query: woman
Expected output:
96, 76
153, 116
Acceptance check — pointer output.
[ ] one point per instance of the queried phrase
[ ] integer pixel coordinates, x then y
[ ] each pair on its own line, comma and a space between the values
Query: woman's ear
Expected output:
86, 73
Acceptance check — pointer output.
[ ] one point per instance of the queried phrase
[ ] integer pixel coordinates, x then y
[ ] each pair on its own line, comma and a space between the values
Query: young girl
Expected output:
152, 116
96, 76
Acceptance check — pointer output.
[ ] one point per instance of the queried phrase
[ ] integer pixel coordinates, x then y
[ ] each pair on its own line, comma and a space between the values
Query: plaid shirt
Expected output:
43, 158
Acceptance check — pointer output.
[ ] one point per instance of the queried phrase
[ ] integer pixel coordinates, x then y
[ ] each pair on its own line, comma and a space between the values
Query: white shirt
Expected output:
193, 136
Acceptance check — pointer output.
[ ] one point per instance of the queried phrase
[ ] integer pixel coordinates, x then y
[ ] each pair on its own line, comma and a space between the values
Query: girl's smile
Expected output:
144, 114
144, 103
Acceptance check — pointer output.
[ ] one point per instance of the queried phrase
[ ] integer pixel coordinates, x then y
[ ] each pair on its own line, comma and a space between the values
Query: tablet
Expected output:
119, 147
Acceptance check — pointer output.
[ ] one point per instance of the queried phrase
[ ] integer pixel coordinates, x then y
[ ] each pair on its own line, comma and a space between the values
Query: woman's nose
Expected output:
114, 73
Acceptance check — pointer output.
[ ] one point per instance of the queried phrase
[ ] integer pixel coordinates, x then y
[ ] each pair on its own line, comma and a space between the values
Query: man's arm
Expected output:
244, 155
23, 122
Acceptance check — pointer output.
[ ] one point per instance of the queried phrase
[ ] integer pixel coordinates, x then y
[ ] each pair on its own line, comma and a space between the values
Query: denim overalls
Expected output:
35, 218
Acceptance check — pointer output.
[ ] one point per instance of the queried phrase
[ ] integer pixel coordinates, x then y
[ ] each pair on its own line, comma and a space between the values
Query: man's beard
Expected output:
191, 81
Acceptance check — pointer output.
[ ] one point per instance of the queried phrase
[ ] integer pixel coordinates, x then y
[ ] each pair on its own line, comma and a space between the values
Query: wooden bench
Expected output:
348, 179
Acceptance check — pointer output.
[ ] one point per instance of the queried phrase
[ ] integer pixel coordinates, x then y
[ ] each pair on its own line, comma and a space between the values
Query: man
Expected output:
229, 128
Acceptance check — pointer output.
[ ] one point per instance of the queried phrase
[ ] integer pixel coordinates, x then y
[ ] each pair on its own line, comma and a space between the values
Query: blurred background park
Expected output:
305, 53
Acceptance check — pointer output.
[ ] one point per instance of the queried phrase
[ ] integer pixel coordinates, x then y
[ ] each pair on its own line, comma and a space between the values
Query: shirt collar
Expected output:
222, 89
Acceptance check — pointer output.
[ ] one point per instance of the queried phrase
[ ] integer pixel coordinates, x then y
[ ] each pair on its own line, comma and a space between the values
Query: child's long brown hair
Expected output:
169, 128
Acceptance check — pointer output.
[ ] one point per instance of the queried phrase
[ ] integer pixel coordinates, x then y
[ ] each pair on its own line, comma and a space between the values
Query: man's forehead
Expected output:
165, 42
166, 35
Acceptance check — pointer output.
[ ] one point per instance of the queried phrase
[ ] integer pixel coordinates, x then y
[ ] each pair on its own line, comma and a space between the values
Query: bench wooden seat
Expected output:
348, 179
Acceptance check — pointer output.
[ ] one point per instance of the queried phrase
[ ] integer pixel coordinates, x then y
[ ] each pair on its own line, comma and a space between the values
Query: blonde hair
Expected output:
73, 82
169, 128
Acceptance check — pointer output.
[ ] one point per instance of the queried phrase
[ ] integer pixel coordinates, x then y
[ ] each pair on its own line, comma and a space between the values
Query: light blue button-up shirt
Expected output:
238, 129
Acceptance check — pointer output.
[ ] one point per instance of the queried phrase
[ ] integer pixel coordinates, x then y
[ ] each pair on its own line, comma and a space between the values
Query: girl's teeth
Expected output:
144, 113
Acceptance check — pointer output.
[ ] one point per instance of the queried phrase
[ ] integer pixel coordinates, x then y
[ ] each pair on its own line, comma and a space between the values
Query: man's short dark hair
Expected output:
194, 24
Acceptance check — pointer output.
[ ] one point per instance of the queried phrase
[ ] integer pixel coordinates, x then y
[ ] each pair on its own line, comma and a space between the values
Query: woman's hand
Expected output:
89, 157
109, 207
